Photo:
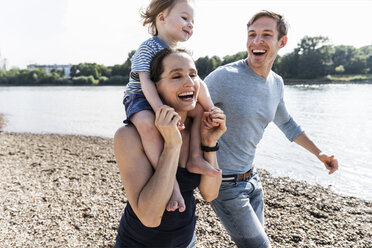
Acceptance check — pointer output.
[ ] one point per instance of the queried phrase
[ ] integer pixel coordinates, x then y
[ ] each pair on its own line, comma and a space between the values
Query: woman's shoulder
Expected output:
127, 136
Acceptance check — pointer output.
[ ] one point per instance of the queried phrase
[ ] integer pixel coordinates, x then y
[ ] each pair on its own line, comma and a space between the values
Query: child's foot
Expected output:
198, 165
176, 202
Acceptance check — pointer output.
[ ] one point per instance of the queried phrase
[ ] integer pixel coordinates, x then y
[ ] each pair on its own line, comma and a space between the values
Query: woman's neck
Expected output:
183, 116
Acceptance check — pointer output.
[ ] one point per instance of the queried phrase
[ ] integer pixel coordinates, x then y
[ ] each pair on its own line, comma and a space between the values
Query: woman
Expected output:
145, 221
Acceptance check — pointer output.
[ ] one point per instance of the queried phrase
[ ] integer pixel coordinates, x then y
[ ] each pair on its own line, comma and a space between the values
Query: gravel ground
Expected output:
65, 191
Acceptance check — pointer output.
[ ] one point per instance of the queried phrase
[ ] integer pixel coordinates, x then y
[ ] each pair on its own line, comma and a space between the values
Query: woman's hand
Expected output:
213, 126
166, 121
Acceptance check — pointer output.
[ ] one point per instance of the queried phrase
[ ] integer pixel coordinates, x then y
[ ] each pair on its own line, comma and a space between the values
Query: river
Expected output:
338, 118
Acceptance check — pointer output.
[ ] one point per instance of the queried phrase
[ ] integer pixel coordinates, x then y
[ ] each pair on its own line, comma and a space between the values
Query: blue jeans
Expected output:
240, 207
193, 242
134, 103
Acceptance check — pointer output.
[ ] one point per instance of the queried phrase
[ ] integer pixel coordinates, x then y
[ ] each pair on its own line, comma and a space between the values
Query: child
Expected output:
170, 22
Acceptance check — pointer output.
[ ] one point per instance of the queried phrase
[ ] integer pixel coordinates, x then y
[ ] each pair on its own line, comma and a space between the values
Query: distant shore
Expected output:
330, 79
63, 190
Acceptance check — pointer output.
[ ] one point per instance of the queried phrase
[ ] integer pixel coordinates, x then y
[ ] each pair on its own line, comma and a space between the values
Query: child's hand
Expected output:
213, 126
210, 120
180, 126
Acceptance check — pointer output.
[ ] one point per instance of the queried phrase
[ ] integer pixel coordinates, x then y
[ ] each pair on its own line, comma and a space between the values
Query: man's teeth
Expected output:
259, 51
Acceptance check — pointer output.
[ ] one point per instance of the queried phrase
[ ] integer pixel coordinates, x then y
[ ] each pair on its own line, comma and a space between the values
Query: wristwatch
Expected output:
210, 149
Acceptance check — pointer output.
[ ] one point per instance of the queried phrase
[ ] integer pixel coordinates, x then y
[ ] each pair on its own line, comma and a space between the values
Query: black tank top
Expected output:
176, 229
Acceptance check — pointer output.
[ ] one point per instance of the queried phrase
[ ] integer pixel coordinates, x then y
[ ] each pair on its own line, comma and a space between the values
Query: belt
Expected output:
237, 177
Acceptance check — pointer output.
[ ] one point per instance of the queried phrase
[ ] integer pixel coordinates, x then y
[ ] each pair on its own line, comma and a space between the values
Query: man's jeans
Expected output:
240, 208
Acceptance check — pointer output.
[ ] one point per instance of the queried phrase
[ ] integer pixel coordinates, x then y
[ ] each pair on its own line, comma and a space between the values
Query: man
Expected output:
251, 96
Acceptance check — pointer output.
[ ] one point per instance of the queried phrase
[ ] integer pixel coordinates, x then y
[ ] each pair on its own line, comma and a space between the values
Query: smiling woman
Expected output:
182, 72
145, 221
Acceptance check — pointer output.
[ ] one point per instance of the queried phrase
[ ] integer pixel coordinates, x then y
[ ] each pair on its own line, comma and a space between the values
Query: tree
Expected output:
314, 57
369, 64
287, 66
232, 58
123, 69
340, 69
309, 44
206, 65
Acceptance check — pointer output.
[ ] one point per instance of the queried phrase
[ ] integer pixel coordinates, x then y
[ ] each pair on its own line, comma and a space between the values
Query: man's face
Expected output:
263, 45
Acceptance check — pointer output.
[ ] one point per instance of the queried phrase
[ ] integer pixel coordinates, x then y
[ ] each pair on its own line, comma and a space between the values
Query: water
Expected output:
338, 118
96, 111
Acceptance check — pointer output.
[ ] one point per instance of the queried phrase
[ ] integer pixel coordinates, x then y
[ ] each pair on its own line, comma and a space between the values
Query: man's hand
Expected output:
329, 161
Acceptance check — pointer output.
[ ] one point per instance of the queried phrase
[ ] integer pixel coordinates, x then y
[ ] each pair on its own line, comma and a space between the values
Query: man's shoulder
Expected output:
230, 67
235, 65
221, 73
276, 77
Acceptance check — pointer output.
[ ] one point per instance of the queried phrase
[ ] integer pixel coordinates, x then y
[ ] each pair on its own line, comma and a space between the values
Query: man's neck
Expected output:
261, 71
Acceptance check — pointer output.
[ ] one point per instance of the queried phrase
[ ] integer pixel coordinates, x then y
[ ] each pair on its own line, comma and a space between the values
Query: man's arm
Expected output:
295, 133
329, 161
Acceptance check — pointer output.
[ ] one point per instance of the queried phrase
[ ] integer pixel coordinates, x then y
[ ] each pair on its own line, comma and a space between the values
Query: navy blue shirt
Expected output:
176, 229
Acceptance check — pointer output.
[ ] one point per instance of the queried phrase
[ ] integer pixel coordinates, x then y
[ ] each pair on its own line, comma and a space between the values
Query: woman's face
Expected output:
179, 83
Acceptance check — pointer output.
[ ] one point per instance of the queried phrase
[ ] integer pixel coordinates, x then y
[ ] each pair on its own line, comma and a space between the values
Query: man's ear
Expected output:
283, 41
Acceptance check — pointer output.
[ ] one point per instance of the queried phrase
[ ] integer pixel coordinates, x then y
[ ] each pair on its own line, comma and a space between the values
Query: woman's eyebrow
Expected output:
175, 70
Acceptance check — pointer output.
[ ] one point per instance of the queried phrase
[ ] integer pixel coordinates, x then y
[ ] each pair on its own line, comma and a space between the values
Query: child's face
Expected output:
179, 22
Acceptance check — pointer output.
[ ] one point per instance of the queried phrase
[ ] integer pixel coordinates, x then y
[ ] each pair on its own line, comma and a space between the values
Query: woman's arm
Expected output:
147, 191
209, 186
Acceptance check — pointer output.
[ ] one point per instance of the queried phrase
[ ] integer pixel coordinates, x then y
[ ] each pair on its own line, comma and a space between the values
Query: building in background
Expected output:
3, 63
49, 68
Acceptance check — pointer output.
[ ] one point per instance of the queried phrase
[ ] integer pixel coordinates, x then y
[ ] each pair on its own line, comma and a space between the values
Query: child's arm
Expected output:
195, 140
149, 90
204, 98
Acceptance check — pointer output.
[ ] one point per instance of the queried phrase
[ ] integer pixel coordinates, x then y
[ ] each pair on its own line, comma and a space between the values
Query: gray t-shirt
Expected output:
250, 103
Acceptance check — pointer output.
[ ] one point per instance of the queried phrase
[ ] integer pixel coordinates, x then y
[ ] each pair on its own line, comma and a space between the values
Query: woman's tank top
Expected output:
176, 229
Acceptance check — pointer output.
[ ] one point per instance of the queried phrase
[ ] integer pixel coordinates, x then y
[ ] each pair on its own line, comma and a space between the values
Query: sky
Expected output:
105, 31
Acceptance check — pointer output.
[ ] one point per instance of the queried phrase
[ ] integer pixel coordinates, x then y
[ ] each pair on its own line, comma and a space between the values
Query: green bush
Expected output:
84, 80
117, 80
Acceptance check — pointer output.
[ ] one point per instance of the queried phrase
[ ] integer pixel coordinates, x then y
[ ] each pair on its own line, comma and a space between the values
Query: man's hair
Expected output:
281, 23
152, 11
157, 66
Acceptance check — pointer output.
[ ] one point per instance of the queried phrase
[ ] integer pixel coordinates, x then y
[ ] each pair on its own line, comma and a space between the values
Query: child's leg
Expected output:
176, 200
196, 163
204, 98
152, 142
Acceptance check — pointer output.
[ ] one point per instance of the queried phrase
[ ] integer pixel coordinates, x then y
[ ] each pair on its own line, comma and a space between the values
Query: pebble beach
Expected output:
65, 191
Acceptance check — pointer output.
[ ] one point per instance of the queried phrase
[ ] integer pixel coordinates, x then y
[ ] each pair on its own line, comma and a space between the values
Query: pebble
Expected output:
66, 191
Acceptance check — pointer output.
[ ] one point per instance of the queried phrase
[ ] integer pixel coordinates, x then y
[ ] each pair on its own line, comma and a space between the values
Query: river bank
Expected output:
62, 190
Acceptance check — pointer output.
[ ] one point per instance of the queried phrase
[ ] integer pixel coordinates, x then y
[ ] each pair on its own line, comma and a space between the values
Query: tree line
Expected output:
313, 58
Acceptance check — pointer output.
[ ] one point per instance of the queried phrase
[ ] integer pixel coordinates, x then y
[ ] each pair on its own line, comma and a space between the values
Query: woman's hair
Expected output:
157, 67
281, 23
152, 11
